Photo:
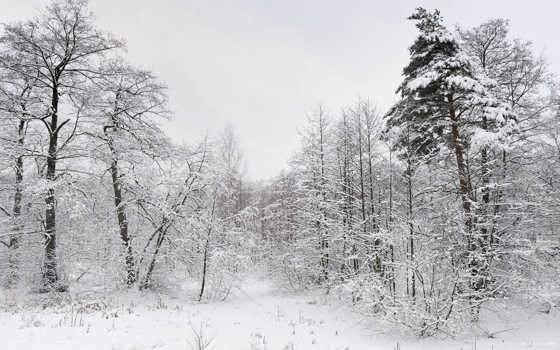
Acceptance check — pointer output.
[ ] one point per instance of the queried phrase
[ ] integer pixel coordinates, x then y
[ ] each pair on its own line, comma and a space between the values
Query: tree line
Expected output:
419, 217
443, 206
91, 185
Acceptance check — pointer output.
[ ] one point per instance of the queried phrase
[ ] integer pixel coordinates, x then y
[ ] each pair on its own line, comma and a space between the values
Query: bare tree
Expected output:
17, 106
123, 120
230, 161
61, 48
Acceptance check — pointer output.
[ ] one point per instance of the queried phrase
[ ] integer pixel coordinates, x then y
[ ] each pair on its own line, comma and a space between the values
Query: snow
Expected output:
442, 35
254, 318
423, 80
466, 83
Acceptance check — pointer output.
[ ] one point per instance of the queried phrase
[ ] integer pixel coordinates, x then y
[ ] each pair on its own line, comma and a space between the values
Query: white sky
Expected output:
263, 65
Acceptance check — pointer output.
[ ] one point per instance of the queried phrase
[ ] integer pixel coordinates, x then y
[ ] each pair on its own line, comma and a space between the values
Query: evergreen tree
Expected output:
446, 100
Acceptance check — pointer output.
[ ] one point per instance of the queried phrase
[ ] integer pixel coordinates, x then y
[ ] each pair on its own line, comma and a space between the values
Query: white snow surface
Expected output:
254, 319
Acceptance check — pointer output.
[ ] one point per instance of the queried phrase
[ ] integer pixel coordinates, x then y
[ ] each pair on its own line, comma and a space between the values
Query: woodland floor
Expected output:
255, 318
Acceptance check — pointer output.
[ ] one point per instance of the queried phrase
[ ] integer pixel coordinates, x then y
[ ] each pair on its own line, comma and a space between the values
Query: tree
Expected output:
230, 162
447, 101
300, 218
18, 104
172, 197
61, 48
123, 120
517, 186
313, 164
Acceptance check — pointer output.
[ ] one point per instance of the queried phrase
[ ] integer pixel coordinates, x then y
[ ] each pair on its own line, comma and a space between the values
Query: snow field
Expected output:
253, 319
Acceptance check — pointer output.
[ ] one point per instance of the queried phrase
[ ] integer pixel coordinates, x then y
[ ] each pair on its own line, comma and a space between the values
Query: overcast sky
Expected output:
264, 65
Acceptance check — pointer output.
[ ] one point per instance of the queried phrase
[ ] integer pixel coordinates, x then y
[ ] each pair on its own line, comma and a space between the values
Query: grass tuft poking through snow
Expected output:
199, 338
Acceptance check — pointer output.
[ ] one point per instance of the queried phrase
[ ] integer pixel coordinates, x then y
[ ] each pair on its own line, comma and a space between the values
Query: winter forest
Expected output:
425, 221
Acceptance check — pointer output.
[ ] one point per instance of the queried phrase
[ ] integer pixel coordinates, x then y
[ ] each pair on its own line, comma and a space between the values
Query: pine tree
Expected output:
446, 101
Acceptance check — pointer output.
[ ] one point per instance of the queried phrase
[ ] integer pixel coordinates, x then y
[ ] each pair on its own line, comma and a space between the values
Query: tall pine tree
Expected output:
445, 100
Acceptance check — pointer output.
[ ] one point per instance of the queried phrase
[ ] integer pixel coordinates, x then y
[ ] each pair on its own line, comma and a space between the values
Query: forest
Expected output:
421, 219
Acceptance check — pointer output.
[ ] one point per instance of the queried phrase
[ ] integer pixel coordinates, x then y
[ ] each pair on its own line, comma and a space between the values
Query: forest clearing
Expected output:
432, 224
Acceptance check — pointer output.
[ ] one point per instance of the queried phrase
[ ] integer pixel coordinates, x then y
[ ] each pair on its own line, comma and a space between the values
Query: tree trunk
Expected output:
323, 233
204, 264
206, 249
377, 265
50, 273
411, 229
131, 273
458, 148
162, 231
475, 262
13, 254
362, 191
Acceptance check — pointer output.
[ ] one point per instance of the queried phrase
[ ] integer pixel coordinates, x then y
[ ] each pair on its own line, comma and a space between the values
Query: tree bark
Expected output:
459, 155
476, 263
50, 273
131, 272
204, 264
377, 265
162, 232
411, 229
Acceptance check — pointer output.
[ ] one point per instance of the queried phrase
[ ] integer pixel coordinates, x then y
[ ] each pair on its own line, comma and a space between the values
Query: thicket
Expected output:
419, 218
441, 208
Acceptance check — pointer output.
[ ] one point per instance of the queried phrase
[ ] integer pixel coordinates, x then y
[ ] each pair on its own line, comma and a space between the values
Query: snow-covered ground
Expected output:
254, 319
